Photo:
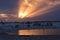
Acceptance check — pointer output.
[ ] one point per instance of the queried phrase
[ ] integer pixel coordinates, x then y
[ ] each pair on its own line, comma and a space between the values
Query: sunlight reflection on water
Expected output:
39, 32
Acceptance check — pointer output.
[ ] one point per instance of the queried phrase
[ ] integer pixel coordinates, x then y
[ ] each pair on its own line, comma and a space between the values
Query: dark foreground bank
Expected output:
22, 37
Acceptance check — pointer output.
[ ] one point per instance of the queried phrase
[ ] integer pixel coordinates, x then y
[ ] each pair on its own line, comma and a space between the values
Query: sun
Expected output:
22, 15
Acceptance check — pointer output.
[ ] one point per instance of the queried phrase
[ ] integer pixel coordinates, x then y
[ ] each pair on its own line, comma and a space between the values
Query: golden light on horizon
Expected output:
3, 15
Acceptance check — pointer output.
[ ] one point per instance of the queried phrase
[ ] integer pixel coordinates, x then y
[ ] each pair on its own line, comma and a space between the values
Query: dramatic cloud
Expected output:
27, 9
32, 8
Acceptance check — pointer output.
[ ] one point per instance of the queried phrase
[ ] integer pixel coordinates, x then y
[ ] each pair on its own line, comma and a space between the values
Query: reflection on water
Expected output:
39, 32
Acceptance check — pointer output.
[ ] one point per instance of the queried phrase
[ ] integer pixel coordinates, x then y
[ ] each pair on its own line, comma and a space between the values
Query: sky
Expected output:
9, 11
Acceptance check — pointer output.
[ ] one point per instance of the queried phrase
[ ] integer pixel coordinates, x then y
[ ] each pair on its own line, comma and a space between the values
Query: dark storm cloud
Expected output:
8, 8
8, 4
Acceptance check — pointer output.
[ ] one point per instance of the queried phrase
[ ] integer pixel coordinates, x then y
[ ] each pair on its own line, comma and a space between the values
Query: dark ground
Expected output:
41, 37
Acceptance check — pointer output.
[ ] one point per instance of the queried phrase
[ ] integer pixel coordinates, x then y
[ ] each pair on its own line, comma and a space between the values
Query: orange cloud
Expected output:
32, 8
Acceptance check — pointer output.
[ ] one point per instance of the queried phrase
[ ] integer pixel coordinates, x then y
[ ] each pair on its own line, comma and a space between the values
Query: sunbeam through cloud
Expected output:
32, 8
